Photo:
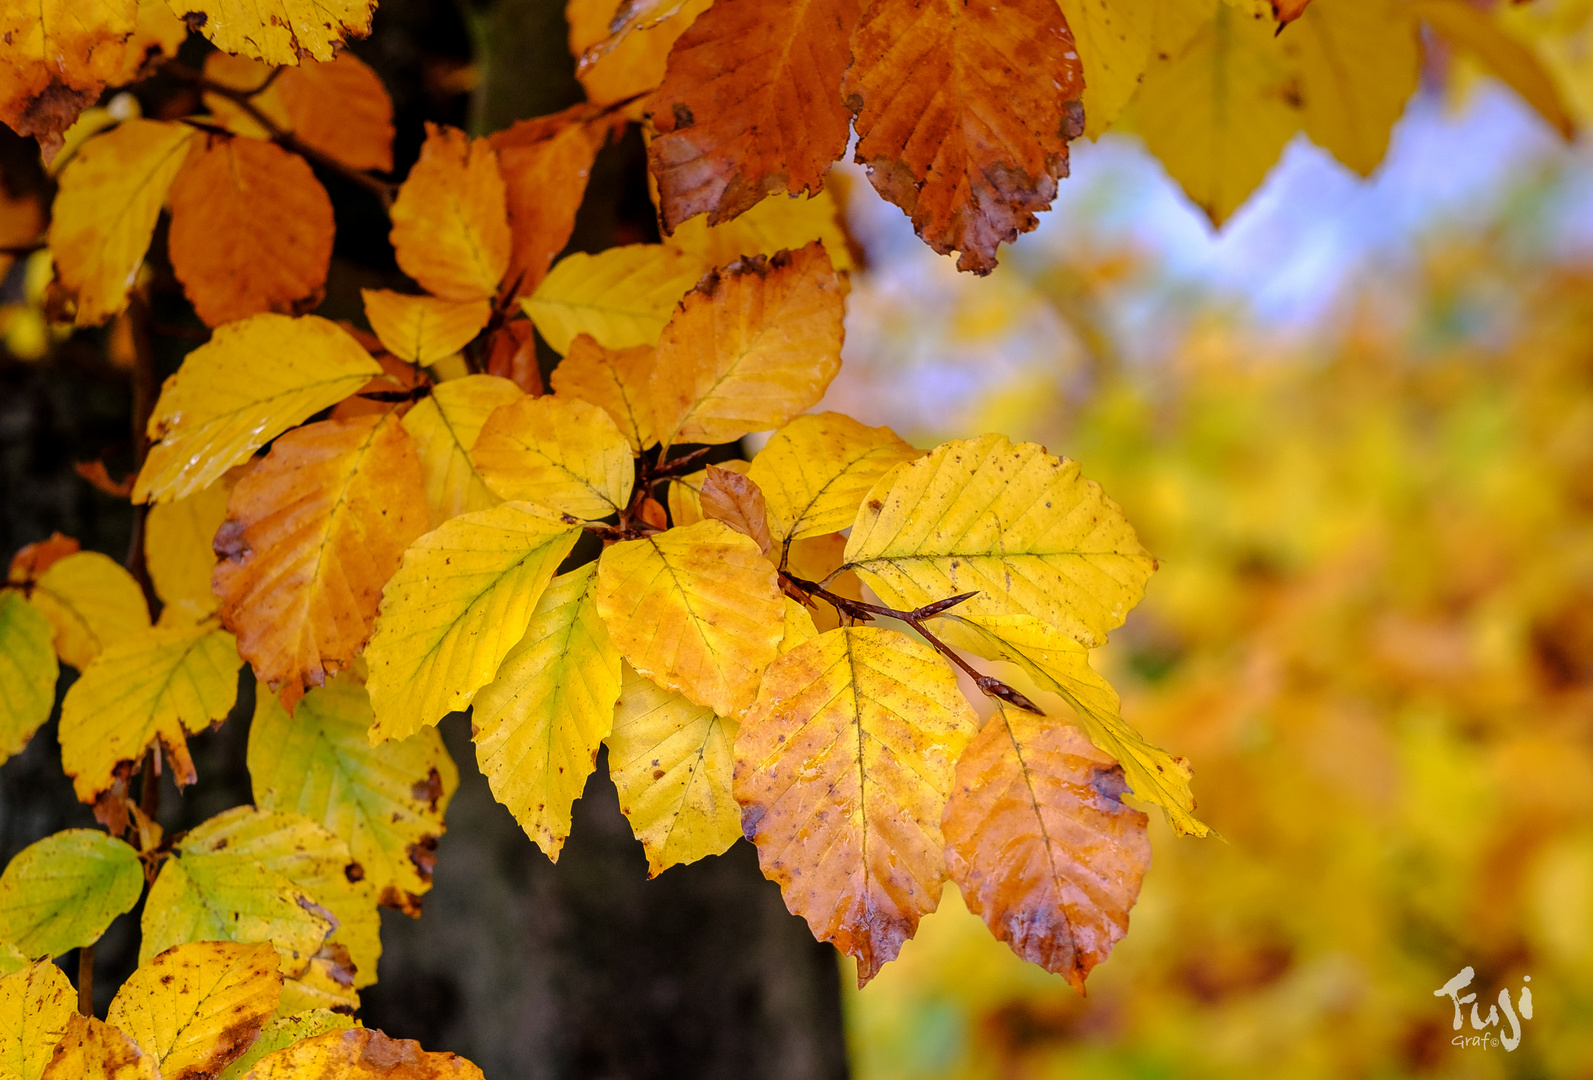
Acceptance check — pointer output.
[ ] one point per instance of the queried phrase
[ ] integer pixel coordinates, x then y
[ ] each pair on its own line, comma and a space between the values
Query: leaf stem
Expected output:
917, 618
85, 980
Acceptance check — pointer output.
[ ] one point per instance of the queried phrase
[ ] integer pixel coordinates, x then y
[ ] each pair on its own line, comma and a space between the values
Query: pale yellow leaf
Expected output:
91, 1049
1114, 43
92, 602
621, 297
178, 538
423, 329
774, 224
815, 471
444, 426
561, 453
36, 1004
278, 31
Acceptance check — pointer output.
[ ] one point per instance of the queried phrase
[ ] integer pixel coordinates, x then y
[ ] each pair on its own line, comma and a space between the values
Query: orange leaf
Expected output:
1286, 11
312, 534
91, 1049
512, 355
752, 346
423, 329
965, 111
251, 231
633, 61
545, 164
361, 1054
450, 222
35, 558
95, 473
1040, 843
340, 108
59, 56
616, 379
735, 500
750, 106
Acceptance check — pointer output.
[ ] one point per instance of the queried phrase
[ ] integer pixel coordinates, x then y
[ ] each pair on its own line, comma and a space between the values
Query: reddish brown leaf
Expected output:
735, 500
750, 106
964, 115
1286, 11
312, 534
251, 231
513, 356
35, 558
95, 473
1040, 843
340, 108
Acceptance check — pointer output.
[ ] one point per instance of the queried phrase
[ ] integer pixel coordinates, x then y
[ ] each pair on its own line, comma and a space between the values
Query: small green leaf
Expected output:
62, 892
28, 670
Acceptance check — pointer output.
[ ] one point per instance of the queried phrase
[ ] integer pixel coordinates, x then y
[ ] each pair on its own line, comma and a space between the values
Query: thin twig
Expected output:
85, 980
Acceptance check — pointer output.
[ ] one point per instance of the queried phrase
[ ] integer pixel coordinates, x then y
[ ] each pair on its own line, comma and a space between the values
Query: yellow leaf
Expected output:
195, 1008
1476, 31
11, 960
91, 1049
312, 534
105, 211
28, 672
753, 345
537, 726
283, 1031
278, 31
461, 600
445, 425
1060, 665
386, 802
561, 453
36, 1004
615, 379
635, 61
1114, 43
177, 545
59, 55
671, 761
361, 1054
62, 892
1358, 61
157, 35
1010, 522
92, 602
450, 220
773, 225
1220, 112
163, 683
815, 471
685, 492
1041, 845
867, 722
695, 609
249, 383
622, 296
423, 329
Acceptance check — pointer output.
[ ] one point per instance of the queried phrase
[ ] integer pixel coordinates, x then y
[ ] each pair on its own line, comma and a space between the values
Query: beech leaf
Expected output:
445, 426
622, 296
62, 892
278, 31
178, 545
734, 499
450, 221
815, 471
28, 672
560, 453
91, 1049
423, 329
615, 379
92, 602
60, 54
36, 1005
361, 1054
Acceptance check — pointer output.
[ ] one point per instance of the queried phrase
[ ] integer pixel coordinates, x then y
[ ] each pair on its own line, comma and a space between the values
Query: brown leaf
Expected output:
964, 115
59, 56
545, 164
512, 355
95, 473
749, 106
34, 559
251, 231
735, 500
340, 108
312, 534
450, 222
361, 1054
1040, 843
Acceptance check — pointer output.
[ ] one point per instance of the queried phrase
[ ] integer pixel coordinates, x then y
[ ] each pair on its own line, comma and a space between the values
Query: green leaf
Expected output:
28, 671
62, 892
283, 1032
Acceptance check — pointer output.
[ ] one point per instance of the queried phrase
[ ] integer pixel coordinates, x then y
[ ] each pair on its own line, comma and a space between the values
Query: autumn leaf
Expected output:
537, 726
685, 492
62, 892
450, 221
734, 499
248, 384
1114, 44
251, 230
771, 226
312, 534
1286, 11
1040, 844
695, 609
105, 210
621, 297
178, 552
386, 802
28, 672
1476, 31
671, 761
1219, 113
444, 427
91, 1049
92, 602
458, 604
867, 723
815, 471
340, 107
615, 379
964, 112
1060, 665
33, 559
1022, 529
36, 1005
197, 1007
361, 1054
620, 59
750, 106
59, 56
278, 31
560, 453
423, 329
283, 1031
163, 683
752, 346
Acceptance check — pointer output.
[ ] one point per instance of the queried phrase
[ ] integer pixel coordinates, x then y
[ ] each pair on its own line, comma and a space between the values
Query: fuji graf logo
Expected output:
1511, 1019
